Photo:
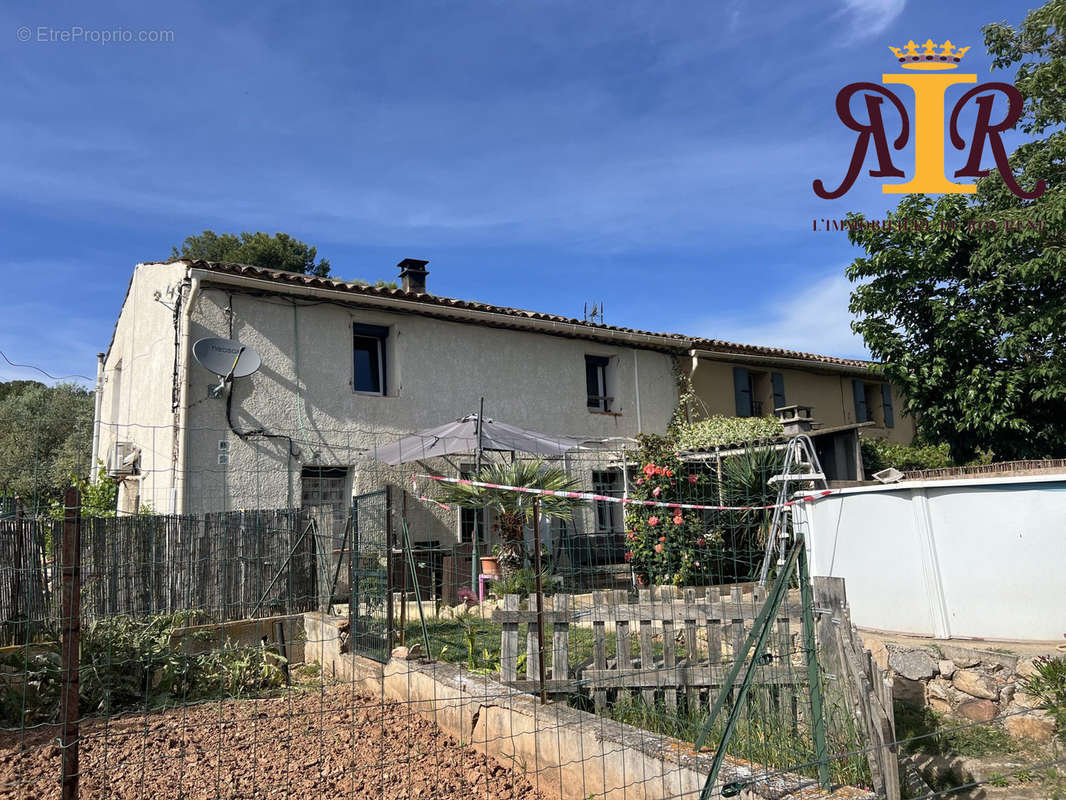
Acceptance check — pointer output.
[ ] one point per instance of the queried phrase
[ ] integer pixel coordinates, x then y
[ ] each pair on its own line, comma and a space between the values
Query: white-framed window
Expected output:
369, 372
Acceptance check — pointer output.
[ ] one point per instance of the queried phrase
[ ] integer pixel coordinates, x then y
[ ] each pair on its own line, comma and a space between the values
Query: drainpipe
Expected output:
636, 389
96, 415
181, 435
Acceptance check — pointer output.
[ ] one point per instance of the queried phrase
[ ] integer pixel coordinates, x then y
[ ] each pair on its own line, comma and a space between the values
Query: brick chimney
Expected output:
413, 274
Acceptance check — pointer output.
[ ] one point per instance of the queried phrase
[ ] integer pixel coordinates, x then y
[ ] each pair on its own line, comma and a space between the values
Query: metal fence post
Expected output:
71, 635
814, 677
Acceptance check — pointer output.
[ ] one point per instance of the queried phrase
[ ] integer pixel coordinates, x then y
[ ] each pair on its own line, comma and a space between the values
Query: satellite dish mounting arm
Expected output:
227, 379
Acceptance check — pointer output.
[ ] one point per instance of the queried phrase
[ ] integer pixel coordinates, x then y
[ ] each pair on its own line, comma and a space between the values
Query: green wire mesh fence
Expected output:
240, 653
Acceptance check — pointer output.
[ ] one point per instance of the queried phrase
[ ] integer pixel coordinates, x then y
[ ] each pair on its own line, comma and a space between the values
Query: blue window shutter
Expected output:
860, 401
779, 389
886, 402
742, 391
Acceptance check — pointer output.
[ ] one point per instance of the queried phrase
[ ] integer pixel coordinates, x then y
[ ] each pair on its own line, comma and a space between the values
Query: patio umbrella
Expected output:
461, 436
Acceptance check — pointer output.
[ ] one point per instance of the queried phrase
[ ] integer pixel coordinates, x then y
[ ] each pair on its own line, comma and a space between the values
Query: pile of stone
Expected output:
965, 683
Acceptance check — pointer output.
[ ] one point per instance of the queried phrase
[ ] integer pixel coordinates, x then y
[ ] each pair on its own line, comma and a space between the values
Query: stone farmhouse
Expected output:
348, 367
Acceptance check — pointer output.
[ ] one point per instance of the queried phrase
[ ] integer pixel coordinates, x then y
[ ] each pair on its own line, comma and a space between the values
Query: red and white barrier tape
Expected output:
424, 498
810, 498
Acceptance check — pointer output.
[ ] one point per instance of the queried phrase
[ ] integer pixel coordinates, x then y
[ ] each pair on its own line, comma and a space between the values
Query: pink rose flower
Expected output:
653, 521
692, 478
658, 548
657, 491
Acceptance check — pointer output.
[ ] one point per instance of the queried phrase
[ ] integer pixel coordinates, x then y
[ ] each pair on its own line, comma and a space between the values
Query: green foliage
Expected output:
513, 509
135, 664
719, 431
280, 251
523, 583
689, 547
923, 730
969, 322
667, 545
1048, 683
746, 475
769, 741
98, 498
879, 454
45, 439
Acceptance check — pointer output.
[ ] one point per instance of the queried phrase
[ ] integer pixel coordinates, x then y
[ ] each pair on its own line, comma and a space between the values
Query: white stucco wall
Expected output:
437, 371
977, 558
136, 402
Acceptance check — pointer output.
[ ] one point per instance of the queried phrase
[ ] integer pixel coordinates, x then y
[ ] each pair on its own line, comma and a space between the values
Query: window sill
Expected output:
374, 394
606, 413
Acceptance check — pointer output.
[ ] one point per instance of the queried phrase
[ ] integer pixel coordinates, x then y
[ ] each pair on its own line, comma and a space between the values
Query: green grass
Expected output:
934, 734
941, 736
763, 735
450, 640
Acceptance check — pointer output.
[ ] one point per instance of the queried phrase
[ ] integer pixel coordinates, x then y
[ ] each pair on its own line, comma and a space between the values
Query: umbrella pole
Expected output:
475, 555
540, 600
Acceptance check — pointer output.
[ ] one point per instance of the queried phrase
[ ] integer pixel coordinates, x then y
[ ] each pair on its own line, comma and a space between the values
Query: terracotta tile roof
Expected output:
668, 340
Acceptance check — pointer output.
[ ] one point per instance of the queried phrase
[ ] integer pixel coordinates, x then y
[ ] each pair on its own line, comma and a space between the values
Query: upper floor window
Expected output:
369, 349
873, 403
757, 394
596, 383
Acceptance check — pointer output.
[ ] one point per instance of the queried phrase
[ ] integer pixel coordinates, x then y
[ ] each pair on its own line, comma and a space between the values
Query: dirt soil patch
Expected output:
329, 743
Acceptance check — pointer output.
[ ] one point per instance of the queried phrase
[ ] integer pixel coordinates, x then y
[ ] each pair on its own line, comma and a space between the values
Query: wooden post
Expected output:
599, 649
509, 642
71, 636
561, 641
540, 598
647, 649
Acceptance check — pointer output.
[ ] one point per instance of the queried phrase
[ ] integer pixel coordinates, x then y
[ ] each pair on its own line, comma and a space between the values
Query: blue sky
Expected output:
657, 157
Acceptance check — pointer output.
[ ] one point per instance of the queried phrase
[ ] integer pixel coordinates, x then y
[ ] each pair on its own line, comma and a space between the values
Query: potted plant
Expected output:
513, 509
490, 565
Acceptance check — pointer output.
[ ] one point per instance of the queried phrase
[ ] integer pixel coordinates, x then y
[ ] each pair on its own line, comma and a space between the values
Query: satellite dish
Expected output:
226, 358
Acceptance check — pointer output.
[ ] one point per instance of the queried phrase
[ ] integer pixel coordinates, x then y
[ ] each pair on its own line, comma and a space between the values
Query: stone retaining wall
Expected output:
567, 753
965, 683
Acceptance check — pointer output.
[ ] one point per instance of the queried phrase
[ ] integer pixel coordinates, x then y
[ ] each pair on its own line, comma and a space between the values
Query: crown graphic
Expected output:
931, 56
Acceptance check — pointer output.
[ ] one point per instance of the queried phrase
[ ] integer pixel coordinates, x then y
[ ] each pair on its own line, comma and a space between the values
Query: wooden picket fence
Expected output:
667, 641
672, 642
866, 688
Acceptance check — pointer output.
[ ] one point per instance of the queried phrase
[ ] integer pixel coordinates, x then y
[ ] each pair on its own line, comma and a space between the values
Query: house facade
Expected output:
347, 368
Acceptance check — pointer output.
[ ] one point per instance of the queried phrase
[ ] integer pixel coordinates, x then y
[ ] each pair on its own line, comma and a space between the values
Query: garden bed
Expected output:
306, 743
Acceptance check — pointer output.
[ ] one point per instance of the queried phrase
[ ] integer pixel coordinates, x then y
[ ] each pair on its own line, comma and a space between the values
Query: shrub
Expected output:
128, 664
1048, 683
718, 431
668, 545
877, 454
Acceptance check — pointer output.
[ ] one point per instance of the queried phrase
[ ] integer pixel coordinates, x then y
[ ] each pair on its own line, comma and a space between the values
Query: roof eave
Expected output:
795, 362
347, 296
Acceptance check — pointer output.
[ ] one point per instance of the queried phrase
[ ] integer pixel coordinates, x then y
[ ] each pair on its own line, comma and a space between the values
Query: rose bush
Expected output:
669, 545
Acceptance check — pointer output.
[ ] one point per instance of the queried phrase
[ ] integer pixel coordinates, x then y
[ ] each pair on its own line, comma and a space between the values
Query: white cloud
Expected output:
813, 319
871, 17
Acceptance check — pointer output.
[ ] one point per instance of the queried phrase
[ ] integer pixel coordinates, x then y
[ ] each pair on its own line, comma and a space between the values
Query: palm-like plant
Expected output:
513, 508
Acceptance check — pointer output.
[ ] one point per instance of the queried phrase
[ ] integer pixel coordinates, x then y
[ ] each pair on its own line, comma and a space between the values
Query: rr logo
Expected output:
929, 91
